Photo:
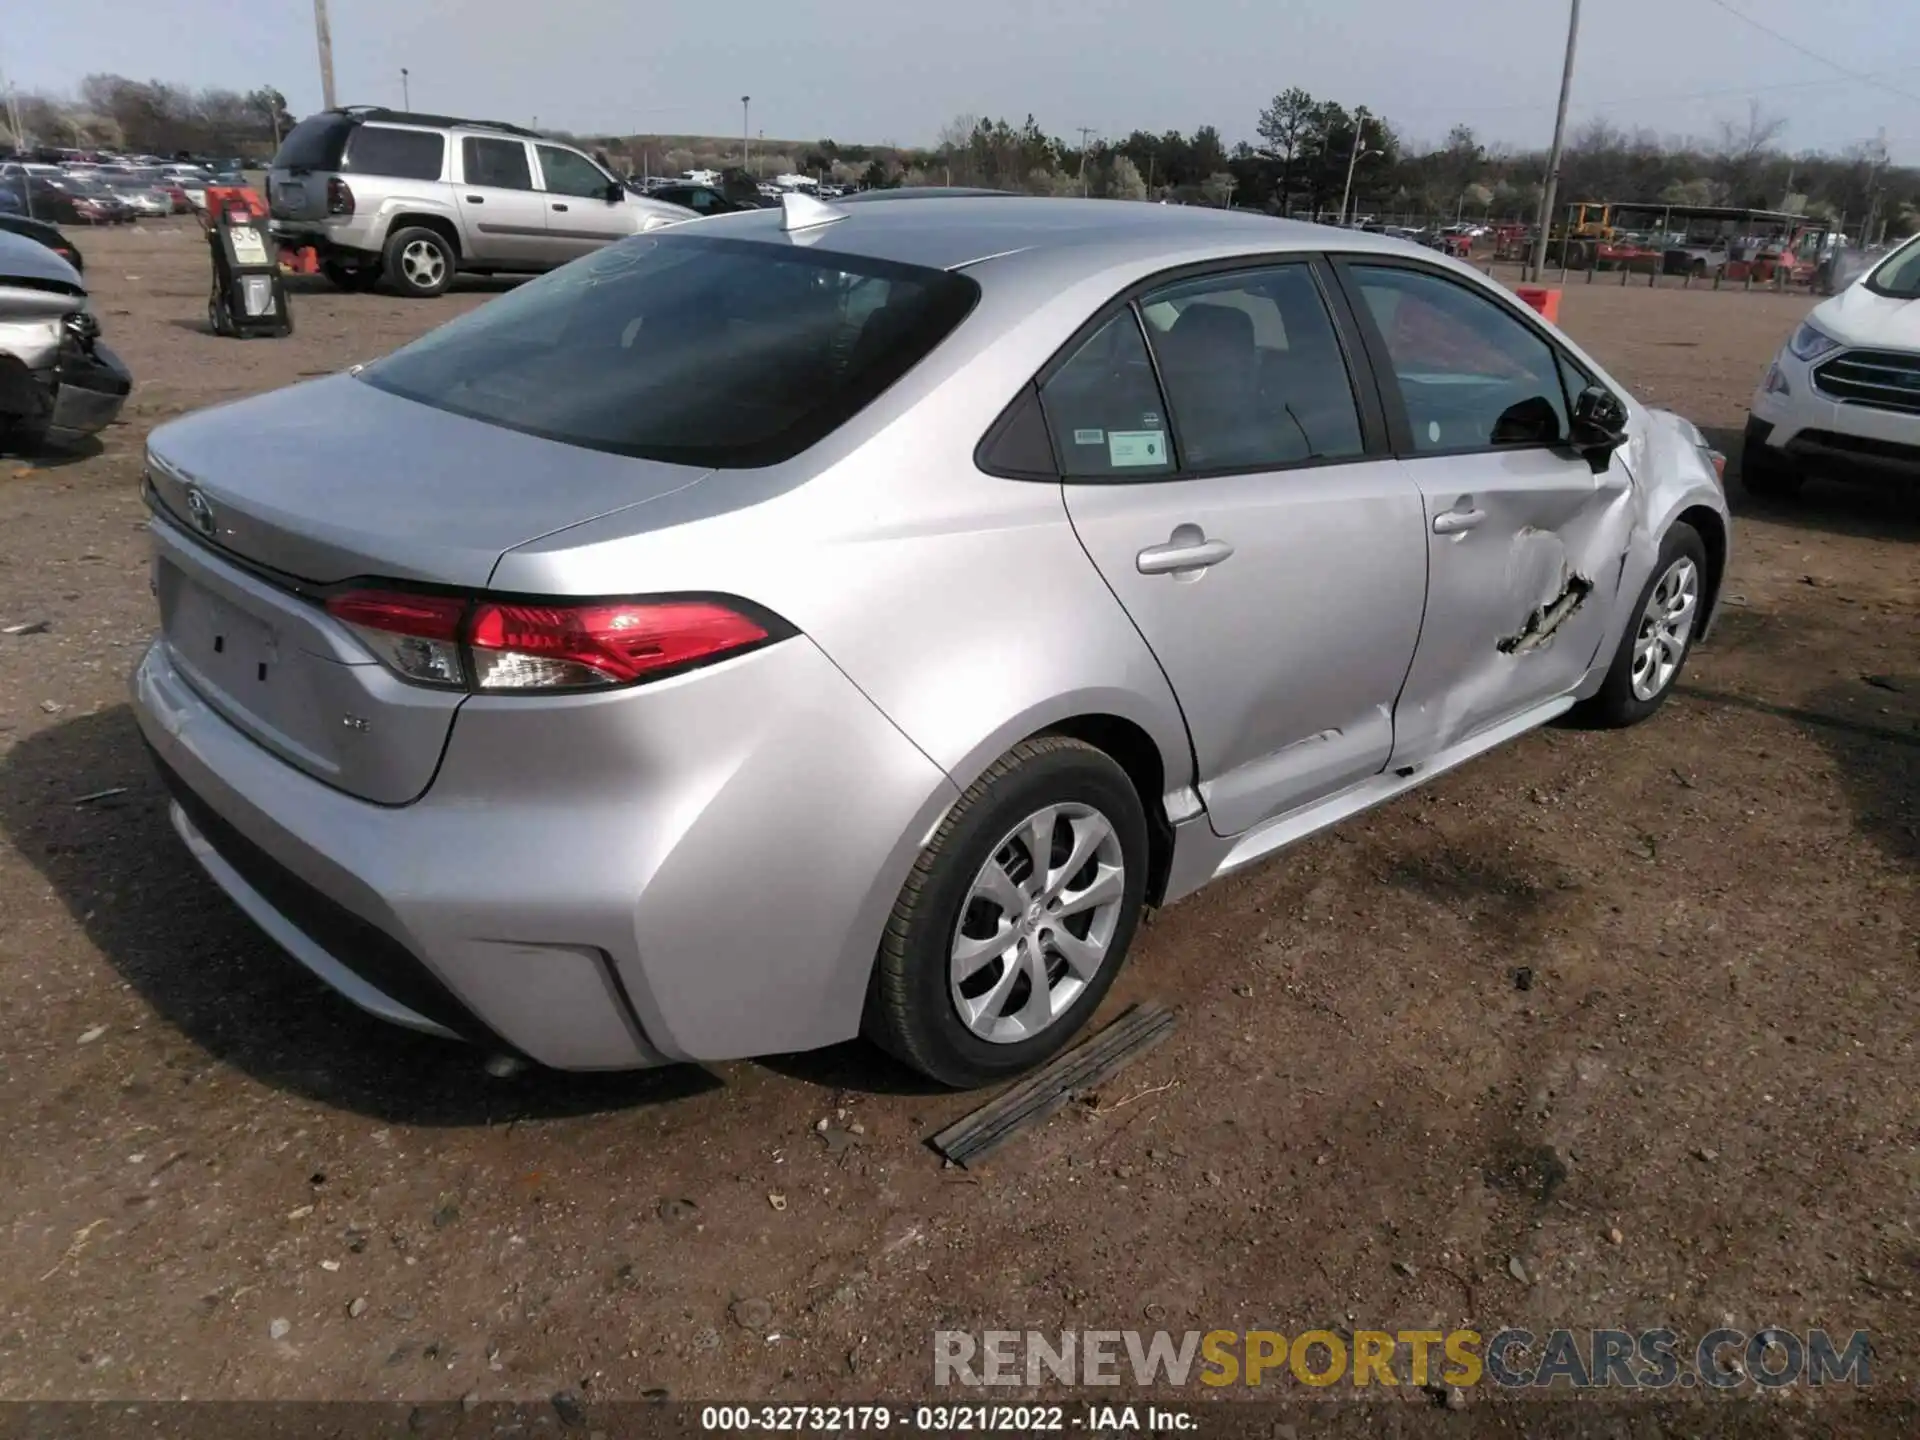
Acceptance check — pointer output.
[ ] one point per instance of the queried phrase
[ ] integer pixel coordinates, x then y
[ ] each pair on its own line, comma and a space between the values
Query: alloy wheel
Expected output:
1666, 625
422, 263
1037, 923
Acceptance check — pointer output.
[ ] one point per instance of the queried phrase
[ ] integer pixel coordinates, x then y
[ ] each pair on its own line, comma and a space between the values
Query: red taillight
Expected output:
416, 636
432, 617
527, 645
339, 197
536, 647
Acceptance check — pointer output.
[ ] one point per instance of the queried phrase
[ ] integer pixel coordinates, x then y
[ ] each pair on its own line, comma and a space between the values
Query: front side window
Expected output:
695, 351
1899, 274
501, 164
1103, 408
1253, 370
1470, 375
569, 174
404, 154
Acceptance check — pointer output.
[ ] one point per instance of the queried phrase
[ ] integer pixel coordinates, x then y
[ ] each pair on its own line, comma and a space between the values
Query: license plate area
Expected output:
233, 651
291, 195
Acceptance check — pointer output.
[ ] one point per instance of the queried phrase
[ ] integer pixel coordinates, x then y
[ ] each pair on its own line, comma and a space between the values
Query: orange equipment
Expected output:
1543, 298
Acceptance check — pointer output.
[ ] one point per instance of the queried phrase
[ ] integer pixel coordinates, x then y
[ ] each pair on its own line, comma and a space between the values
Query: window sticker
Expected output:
1136, 447
1089, 437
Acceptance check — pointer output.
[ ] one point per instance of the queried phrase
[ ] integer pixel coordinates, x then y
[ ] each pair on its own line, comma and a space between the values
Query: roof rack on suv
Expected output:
409, 117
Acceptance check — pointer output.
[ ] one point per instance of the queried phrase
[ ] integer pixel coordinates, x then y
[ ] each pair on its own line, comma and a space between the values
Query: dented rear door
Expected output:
1524, 539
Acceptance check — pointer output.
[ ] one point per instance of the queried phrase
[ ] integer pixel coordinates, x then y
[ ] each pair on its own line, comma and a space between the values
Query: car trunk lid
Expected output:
262, 507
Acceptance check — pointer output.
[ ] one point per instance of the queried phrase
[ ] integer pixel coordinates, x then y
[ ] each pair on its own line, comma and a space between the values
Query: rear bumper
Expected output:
696, 871
352, 238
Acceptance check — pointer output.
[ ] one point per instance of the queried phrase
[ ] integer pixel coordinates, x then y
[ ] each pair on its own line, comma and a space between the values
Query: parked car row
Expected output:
89, 194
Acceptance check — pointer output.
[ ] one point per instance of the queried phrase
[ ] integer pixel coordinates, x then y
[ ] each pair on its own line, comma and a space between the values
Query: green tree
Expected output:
1284, 125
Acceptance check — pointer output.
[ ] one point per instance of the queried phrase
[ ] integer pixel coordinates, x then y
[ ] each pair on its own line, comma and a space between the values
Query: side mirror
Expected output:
1599, 425
616, 192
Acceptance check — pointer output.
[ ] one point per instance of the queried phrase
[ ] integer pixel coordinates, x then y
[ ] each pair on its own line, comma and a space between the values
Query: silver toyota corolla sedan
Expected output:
820, 621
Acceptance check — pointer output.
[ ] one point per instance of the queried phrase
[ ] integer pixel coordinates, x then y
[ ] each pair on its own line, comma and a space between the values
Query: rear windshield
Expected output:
692, 350
406, 154
316, 143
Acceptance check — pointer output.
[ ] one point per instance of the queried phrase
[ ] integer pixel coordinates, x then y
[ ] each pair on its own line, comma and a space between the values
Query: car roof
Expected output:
950, 232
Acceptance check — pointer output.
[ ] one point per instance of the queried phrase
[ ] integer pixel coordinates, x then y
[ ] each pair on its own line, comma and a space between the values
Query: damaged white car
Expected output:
58, 382
1003, 565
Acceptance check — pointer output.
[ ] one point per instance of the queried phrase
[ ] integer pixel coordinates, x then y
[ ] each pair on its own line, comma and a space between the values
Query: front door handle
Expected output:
1187, 549
559, 207
476, 199
1453, 522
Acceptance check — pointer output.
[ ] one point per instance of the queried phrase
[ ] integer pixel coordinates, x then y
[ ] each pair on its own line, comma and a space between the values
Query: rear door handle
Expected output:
1453, 522
1187, 549
476, 199
559, 207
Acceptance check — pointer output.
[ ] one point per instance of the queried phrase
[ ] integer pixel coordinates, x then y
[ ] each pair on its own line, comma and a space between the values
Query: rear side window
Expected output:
696, 351
500, 164
1103, 408
316, 143
404, 154
1253, 371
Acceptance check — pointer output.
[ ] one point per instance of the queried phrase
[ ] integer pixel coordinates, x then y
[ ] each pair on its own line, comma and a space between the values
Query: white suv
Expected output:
384, 194
1843, 394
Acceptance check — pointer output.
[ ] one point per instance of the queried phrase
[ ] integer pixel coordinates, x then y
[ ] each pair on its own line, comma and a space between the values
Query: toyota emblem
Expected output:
200, 511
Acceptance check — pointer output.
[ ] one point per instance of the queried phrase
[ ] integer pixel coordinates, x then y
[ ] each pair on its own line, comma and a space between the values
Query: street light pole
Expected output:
746, 130
1547, 195
324, 35
406, 94
1359, 133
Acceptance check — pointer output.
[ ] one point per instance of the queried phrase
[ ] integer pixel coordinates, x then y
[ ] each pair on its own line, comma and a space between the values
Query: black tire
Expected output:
911, 1011
1767, 474
355, 279
1615, 704
404, 258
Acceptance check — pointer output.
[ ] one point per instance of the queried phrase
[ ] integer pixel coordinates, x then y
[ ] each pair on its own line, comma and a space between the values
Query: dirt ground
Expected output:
1658, 982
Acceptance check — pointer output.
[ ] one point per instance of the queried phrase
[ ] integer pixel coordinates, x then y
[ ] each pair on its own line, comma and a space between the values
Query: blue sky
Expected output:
896, 70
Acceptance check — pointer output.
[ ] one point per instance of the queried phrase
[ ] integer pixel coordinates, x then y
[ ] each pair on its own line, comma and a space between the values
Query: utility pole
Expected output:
1085, 131
406, 94
13, 123
746, 130
325, 37
1548, 194
1359, 134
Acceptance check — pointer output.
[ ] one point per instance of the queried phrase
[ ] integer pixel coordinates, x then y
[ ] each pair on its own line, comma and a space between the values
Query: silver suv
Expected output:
386, 194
